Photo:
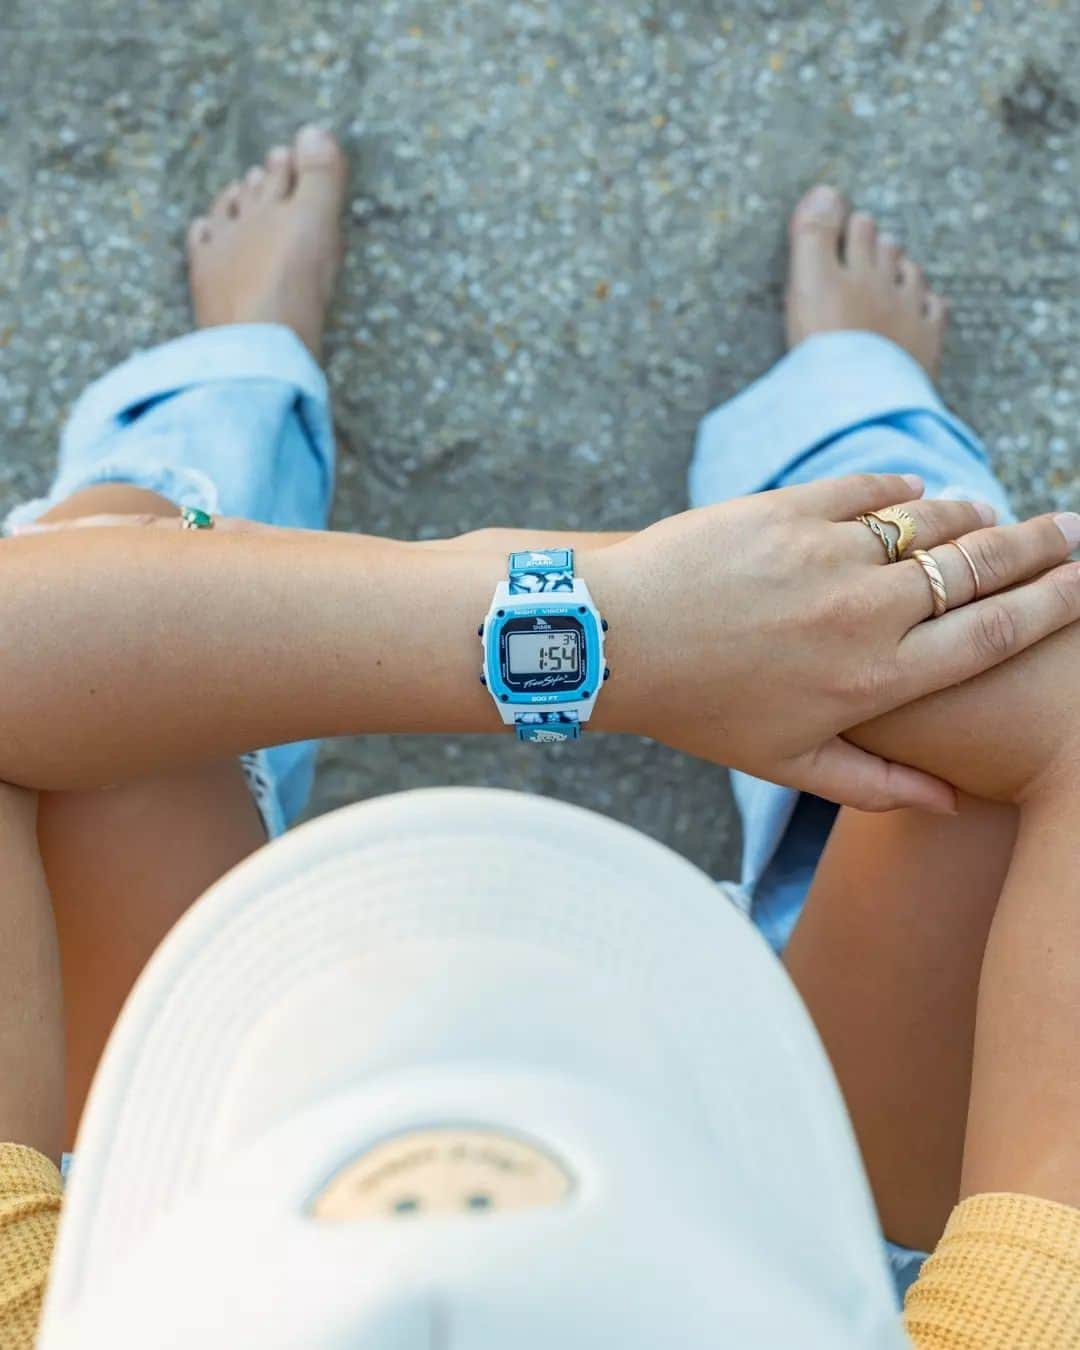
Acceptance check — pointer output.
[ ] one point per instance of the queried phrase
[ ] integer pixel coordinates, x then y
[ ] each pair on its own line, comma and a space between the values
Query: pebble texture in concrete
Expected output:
566, 242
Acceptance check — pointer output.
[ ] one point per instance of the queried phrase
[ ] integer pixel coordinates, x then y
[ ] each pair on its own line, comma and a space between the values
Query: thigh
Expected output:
124, 863
887, 955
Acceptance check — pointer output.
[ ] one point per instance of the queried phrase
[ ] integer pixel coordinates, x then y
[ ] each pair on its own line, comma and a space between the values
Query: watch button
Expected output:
604, 625
480, 631
607, 672
483, 681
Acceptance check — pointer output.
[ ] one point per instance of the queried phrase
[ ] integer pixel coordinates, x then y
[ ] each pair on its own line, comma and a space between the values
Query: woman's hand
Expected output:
755, 632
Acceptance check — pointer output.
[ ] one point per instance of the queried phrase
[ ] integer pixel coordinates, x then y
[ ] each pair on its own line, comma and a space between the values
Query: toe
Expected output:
227, 204
860, 240
912, 277
198, 232
279, 171
888, 257
816, 228
936, 308
320, 168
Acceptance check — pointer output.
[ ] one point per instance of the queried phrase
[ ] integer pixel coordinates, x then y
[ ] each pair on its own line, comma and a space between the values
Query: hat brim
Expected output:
457, 866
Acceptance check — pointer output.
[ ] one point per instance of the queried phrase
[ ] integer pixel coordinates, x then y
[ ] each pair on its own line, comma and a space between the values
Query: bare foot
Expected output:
269, 250
844, 275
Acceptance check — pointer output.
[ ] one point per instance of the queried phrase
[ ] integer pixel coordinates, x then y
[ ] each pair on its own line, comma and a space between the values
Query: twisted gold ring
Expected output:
936, 580
874, 525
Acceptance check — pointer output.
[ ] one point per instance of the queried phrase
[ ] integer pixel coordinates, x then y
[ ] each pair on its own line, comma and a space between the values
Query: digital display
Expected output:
554, 653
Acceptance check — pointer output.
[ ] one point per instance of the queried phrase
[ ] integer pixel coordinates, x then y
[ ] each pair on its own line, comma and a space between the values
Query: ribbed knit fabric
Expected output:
1005, 1276
30, 1191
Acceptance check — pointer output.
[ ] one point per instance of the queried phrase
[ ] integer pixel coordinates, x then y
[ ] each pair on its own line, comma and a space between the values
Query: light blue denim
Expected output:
236, 421
838, 403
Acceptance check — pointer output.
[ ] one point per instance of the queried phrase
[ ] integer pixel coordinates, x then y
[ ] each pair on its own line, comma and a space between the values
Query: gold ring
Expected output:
971, 564
905, 524
936, 580
888, 543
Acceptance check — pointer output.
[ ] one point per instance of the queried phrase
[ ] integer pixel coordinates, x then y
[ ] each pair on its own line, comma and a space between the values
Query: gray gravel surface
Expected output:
566, 243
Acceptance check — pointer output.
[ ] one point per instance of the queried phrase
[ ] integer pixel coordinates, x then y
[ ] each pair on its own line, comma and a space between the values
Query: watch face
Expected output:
543, 655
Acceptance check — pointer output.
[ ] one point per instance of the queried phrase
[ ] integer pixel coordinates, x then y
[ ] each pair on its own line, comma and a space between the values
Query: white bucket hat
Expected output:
488, 982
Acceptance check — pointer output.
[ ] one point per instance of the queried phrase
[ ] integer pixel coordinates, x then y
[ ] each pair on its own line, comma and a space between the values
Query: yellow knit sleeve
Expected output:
1005, 1276
30, 1192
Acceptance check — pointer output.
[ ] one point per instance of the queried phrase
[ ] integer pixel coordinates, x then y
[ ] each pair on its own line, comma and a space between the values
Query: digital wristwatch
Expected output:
543, 643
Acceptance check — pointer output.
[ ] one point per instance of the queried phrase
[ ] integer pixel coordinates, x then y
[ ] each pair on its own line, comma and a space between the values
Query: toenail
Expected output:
1069, 525
279, 152
312, 137
822, 200
255, 176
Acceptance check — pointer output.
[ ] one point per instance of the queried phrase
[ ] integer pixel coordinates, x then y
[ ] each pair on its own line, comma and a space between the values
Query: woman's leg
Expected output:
124, 864
886, 955
854, 393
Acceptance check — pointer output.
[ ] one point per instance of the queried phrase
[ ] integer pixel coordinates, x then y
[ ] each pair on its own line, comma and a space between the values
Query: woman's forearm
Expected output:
1013, 734
1022, 1131
123, 650
996, 735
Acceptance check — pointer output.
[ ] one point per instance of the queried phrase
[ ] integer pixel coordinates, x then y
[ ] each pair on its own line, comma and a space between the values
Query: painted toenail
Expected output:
312, 137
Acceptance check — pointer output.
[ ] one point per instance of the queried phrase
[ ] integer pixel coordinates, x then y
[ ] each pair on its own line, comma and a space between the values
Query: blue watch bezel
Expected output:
592, 672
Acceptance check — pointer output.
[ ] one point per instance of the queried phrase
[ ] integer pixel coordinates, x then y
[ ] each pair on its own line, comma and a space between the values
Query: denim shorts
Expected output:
235, 421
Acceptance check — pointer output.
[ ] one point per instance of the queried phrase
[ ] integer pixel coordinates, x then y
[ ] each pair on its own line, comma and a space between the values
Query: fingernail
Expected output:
987, 514
1069, 525
914, 482
29, 529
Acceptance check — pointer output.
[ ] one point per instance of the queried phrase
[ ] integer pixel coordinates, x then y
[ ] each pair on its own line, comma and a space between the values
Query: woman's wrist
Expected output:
626, 700
466, 581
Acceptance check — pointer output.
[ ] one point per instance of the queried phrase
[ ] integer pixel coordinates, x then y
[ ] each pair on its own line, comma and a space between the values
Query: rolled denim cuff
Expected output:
247, 351
199, 421
827, 387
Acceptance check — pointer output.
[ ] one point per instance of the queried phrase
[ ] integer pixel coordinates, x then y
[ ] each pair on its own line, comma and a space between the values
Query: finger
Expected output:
1000, 557
976, 637
936, 522
843, 773
845, 498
